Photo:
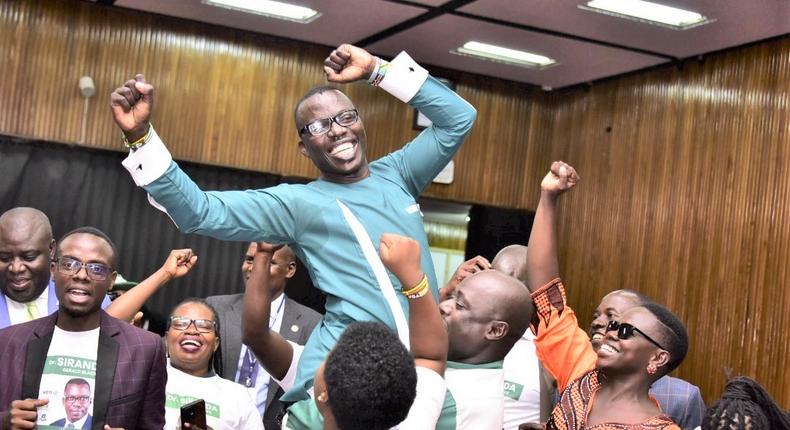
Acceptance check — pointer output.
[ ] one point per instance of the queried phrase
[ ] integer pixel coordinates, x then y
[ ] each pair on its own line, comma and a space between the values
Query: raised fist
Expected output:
131, 106
560, 178
179, 262
348, 63
401, 255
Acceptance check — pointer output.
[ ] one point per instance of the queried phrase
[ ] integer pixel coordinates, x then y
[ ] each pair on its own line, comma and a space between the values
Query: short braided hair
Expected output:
745, 405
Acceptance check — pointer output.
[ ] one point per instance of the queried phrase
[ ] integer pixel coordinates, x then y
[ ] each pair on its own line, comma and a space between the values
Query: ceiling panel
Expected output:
341, 21
431, 2
588, 45
736, 22
432, 41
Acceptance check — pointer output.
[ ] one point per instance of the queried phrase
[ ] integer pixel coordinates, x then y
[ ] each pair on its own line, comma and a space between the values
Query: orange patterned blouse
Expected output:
566, 352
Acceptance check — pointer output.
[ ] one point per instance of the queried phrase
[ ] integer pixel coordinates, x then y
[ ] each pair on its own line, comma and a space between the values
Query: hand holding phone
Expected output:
193, 415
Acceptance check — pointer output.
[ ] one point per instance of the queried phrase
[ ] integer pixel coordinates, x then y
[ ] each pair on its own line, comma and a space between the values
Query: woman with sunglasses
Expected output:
607, 390
192, 372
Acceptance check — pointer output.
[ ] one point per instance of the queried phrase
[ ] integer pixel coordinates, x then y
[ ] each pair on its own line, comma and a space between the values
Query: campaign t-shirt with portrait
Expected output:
68, 380
229, 405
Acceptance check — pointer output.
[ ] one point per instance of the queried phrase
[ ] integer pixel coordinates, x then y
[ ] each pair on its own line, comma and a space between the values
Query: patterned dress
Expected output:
566, 352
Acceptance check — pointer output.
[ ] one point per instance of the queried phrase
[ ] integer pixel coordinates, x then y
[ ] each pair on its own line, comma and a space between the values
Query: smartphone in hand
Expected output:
194, 414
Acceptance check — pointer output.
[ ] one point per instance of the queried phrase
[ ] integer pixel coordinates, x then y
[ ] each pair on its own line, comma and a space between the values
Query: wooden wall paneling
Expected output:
685, 200
226, 97
448, 236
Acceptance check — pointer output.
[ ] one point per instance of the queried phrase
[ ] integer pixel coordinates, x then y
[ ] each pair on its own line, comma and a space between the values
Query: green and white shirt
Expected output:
474, 397
522, 383
229, 405
70, 363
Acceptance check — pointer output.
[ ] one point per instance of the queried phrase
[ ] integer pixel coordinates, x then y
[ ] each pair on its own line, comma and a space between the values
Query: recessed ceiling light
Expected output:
654, 13
504, 55
270, 8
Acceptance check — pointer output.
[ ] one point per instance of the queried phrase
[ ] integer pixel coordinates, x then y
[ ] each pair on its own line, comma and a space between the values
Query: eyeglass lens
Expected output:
96, 271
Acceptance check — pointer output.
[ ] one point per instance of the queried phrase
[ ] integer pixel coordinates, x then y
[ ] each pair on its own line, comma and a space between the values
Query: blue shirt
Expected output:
310, 219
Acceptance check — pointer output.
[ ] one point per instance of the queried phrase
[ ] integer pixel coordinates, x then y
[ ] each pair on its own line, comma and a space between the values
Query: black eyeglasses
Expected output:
74, 399
70, 266
321, 126
202, 326
625, 331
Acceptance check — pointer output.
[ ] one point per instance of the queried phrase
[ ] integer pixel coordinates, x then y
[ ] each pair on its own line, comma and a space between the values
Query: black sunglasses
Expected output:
625, 331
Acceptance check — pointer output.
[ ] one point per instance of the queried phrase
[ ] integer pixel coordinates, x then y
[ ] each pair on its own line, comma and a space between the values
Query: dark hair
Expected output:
311, 92
675, 338
94, 232
744, 398
370, 378
216, 359
77, 381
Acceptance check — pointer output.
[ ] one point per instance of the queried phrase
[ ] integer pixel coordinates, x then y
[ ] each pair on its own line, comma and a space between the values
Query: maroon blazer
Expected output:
130, 371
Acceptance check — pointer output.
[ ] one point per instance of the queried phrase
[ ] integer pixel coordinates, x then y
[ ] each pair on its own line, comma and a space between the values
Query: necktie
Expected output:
70, 426
32, 311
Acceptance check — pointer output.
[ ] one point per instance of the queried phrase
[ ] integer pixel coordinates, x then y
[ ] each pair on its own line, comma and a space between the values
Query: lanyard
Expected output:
251, 358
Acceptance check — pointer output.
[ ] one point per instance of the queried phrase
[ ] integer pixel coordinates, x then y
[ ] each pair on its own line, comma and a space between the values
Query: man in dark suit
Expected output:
76, 401
295, 323
129, 370
26, 244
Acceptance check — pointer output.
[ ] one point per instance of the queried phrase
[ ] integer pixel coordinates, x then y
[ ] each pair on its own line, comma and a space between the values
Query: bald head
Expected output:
512, 260
26, 245
23, 219
487, 314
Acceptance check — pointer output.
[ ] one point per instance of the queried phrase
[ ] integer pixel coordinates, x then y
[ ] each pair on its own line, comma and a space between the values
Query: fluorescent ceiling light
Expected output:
504, 55
655, 13
270, 8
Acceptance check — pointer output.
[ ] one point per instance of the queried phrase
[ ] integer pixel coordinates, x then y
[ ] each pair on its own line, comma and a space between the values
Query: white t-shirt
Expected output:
427, 406
423, 414
474, 396
522, 383
69, 378
229, 405
260, 389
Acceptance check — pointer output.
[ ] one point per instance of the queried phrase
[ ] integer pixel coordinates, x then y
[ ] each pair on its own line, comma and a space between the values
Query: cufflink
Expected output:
294, 328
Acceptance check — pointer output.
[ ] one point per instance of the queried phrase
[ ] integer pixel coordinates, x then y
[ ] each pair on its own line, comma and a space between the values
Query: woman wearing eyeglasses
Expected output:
607, 389
194, 361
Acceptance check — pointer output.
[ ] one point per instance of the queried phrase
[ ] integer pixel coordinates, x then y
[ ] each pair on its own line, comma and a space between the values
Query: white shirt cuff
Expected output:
149, 162
290, 377
404, 77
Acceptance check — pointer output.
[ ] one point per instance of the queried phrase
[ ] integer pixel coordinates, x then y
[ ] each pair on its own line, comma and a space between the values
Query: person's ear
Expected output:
291, 270
303, 149
497, 330
661, 358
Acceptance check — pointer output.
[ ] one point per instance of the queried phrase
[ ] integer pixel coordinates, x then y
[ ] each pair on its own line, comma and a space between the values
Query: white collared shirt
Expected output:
17, 312
260, 390
79, 423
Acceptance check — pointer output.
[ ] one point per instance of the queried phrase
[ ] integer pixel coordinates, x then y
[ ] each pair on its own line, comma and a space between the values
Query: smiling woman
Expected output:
193, 348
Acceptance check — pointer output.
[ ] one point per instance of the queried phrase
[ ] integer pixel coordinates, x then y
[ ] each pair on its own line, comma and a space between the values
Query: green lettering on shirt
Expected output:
70, 366
175, 401
513, 390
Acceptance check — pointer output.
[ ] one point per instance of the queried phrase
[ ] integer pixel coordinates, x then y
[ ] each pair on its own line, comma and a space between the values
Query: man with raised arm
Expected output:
334, 223
363, 384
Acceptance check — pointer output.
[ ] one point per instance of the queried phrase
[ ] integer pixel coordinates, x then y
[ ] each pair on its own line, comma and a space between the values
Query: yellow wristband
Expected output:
139, 142
419, 290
